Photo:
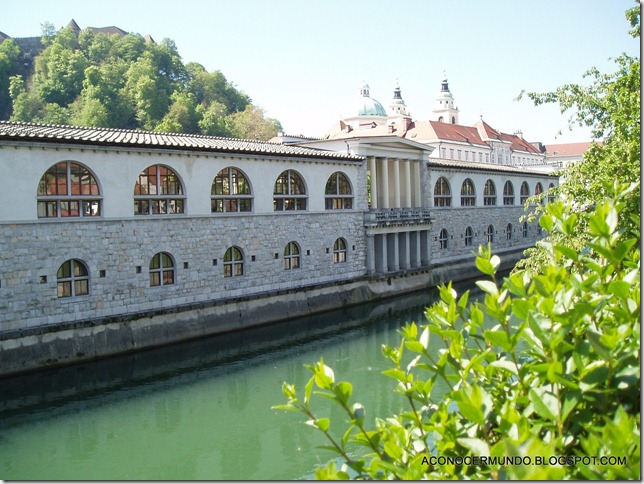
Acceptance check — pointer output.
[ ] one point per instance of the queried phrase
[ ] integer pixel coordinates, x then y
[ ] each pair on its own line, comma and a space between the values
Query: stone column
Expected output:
381, 253
424, 248
416, 169
405, 260
414, 249
393, 263
371, 163
396, 165
407, 178
371, 255
384, 172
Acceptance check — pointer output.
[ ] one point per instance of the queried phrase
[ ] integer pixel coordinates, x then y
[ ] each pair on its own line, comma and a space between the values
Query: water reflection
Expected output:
198, 410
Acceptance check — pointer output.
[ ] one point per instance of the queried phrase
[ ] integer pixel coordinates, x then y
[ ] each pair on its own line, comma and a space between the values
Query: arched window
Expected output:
291, 256
161, 270
337, 194
525, 230
538, 190
440, 119
453, 120
468, 195
468, 236
158, 191
72, 279
340, 251
289, 192
233, 262
230, 192
489, 193
508, 193
489, 234
442, 193
442, 239
508, 232
551, 194
525, 192
68, 189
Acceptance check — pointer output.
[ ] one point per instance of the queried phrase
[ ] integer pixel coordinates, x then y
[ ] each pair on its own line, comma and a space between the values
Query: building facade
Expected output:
116, 240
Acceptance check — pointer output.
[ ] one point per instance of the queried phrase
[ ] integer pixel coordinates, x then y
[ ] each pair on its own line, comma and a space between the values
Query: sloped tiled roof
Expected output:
78, 135
568, 149
435, 130
472, 165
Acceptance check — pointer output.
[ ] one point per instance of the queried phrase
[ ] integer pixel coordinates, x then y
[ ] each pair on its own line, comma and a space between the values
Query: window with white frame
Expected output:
231, 192
68, 189
289, 192
72, 279
158, 191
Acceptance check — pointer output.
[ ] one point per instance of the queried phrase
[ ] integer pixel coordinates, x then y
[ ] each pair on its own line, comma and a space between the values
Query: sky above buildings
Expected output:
304, 61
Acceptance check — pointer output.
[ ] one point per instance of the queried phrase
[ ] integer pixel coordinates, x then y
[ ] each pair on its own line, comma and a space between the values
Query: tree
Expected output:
9, 52
548, 365
611, 106
542, 378
251, 124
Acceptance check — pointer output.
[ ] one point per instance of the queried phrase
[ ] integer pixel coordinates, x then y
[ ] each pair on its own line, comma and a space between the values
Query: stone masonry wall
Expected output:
118, 253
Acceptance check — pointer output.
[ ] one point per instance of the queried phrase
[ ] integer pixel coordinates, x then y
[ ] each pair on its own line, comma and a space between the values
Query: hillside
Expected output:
105, 77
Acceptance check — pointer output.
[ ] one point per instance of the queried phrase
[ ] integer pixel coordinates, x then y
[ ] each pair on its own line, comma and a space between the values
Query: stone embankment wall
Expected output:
83, 340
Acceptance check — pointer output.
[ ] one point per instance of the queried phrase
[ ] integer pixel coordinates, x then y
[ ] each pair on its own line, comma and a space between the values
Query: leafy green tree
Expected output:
213, 119
182, 116
251, 124
542, 377
9, 52
610, 105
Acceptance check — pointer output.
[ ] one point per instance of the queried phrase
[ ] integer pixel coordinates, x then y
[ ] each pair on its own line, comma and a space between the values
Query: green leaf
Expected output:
505, 365
545, 404
477, 446
498, 338
343, 391
488, 287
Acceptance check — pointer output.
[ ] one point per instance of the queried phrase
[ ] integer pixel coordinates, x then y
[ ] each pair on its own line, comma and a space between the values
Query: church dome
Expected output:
368, 106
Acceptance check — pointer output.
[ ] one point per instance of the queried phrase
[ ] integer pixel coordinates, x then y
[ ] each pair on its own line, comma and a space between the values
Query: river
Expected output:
200, 409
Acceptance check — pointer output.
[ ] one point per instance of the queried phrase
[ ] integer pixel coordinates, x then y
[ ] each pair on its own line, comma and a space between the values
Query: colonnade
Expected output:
396, 251
395, 182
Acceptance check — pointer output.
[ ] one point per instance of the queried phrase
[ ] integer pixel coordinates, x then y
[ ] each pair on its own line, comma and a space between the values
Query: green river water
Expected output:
198, 410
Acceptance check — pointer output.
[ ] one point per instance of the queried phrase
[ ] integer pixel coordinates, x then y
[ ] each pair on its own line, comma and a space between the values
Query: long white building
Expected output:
117, 240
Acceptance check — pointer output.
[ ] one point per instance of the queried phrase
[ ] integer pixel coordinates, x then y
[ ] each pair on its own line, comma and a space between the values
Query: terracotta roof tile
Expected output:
471, 165
134, 138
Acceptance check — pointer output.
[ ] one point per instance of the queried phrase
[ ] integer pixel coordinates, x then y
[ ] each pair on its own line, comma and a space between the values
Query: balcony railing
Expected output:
396, 216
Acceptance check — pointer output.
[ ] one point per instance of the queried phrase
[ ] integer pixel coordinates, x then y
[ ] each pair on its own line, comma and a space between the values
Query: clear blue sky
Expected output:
304, 61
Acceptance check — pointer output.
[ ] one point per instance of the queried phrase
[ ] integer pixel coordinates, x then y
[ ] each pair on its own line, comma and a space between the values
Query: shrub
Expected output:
543, 374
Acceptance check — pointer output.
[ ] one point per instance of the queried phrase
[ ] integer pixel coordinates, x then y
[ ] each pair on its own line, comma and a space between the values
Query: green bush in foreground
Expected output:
546, 367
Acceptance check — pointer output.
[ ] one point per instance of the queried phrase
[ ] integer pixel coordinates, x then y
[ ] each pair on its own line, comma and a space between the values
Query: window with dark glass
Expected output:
468, 195
161, 270
538, 190
508, 193
508, 232
158, 191
442, 193
339, 251
68, 189
468, 236
525, 230
72, 279
525, 192
442, 239
291, 256
489, 193
233, 262
489, 234
231, 192
289, 192
337, 193
551, 193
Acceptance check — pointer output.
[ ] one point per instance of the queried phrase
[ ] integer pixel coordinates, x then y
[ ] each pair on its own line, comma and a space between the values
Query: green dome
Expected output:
369, 106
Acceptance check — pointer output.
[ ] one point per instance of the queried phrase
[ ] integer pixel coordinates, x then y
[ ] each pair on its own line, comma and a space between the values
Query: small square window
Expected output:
252, 258
139, 269
101, 273
185, 265
214, 262
277, 256
43, 279
327, 250
308, 252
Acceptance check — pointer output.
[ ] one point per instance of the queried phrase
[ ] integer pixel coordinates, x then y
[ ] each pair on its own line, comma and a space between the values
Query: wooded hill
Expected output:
123, 81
